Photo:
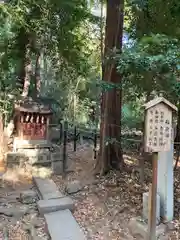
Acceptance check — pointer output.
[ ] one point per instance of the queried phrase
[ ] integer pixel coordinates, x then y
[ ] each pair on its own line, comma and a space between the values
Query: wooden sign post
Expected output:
158, 138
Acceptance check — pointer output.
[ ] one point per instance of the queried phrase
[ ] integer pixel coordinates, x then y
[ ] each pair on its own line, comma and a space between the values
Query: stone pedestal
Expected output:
37, 157
139, 229
146, 207
31, 156
165, 184
19, 144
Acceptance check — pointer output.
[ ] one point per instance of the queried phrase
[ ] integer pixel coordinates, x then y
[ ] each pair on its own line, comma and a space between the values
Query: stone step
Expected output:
47, 188
63, 226
52, 205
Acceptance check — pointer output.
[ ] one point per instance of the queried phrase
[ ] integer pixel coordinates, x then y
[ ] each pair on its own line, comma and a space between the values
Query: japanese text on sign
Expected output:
158, 128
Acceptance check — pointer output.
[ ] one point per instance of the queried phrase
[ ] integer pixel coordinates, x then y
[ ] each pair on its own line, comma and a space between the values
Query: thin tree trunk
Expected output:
3, 142
110, 155
177, 138
1, 139
28, 72
144, 155
37, 75
23, 46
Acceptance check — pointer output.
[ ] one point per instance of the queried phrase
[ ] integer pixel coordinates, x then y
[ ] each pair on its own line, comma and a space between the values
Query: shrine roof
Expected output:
158, 100
32, 106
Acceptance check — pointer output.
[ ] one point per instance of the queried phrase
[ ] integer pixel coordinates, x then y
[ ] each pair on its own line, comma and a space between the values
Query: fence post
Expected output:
64, 146
61, 131
75, 138
95, 144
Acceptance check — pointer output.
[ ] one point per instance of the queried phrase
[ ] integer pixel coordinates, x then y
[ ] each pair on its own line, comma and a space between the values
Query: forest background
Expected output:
79, 55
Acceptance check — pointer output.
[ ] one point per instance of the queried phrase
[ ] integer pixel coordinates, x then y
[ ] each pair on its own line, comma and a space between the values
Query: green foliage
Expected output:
66, 82
51, 26
149, 67
65, 35
133, 114
68, 38
152, 64
151, 16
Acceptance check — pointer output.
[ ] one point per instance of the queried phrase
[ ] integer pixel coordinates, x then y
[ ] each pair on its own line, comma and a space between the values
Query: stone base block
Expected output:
30, 144
37, 155
32, 156
146, 207
139, 229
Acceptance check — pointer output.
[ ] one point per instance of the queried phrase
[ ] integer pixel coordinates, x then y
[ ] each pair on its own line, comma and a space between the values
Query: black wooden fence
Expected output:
69, 132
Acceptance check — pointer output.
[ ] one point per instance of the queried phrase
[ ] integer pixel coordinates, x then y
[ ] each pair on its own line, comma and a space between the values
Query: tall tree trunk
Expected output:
37, 75
101, 34
28, 72
110, 155
23, 46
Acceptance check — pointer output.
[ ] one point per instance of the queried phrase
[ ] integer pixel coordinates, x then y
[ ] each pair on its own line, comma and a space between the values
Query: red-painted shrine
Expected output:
32, 120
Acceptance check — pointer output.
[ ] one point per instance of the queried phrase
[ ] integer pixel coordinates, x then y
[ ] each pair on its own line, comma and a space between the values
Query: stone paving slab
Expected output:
52, 205
47, 188
63, 226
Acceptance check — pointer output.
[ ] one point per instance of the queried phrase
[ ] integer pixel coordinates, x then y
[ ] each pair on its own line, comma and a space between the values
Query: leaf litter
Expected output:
106, 204
26, 227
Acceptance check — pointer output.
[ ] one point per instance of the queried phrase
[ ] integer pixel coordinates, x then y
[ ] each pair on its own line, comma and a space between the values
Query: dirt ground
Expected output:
19, 221
105, 205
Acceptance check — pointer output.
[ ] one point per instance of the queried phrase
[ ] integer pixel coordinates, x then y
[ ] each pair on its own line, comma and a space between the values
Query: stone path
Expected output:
62, 225
19, 217
53, 205
47, 188
56, 209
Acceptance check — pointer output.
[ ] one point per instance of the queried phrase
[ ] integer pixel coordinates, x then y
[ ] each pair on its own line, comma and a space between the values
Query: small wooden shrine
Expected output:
31, 119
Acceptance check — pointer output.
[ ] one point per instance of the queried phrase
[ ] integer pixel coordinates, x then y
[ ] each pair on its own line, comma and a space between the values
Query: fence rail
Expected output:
131, 141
